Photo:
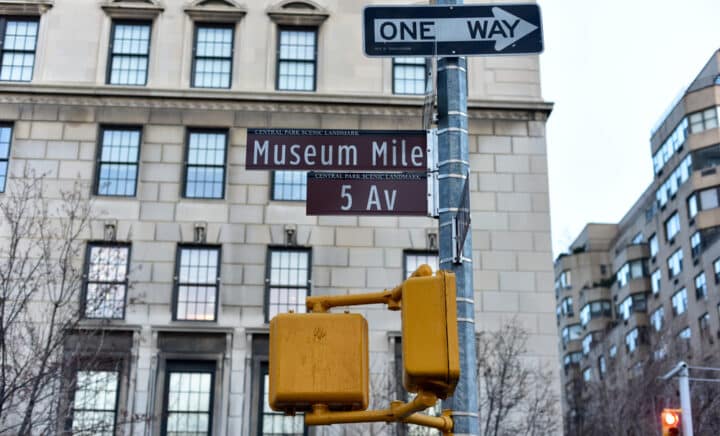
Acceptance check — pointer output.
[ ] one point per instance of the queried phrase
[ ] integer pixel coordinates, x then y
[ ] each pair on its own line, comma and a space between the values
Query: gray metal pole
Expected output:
686, 419
453, 169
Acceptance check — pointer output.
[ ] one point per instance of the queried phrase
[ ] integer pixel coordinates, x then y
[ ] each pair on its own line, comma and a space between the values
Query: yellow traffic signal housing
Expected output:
429, 334
670, 420
318, 358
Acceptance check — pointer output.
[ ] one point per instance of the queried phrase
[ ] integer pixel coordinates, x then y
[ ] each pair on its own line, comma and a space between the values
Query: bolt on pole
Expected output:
453, 170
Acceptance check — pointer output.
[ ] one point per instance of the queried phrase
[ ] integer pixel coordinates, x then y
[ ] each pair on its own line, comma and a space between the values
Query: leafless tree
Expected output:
41, 251
515, 397
628, 401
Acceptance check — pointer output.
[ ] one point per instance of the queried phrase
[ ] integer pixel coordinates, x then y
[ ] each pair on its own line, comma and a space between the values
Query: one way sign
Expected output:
460, 30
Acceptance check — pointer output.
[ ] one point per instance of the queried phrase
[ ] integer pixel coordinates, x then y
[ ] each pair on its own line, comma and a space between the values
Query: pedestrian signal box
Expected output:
318, 358
429, 334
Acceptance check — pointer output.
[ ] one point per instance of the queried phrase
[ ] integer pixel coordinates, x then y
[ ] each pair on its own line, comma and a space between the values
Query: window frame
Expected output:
268, 272
272, 186
111, 43
3, 28
677, 293
186, 161
98, 157
86, 272
194, 59
675, 220
698, 294
425, 73
176, 281
282, 28
415, 252
74, 389
188, 366
6, 159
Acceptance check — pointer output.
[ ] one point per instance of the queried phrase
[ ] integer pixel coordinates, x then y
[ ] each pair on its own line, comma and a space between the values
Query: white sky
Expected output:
612, 68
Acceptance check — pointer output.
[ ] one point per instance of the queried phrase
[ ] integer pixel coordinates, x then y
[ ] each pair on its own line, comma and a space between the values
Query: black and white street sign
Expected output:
460, 30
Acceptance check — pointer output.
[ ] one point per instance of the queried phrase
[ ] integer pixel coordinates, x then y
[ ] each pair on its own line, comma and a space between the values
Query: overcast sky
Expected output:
612, 68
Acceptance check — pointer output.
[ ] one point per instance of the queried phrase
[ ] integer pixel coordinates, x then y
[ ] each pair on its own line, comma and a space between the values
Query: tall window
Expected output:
587, 344
657, 318
675, 263
631, 340
409, 75
297, 58
679, 302
567, 307
129, 53
118, 161
716, 269
5, 138
18, 48
653, 242
655, 280
700, 286
106, 280
94, 407
272, 422
188, 398
288, 280
695, 244
413, 259
205, 164
692, 205
672, 226
289, 185
197, 278
212, 56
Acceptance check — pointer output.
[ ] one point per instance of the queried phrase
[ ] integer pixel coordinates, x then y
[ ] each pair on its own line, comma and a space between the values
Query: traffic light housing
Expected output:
318, 358
430, 349
670, 421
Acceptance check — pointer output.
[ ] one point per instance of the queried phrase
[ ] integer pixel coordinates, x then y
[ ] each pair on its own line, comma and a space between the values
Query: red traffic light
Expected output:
670, 418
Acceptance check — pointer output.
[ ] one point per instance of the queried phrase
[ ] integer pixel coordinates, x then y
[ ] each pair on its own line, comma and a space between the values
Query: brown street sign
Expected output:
336, 150
367, 194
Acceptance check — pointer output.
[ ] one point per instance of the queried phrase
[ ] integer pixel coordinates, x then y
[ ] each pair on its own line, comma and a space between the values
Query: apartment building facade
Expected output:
645, 289
147, 103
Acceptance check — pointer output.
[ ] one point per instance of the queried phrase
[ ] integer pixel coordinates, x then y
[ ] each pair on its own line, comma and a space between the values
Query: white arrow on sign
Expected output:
503, 28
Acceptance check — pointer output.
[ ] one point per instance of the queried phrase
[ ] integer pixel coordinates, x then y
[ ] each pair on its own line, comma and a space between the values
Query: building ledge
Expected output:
26, 93
25, 7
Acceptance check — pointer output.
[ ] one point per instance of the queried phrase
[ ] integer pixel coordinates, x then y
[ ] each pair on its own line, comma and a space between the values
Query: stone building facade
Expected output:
644, 291
147, 103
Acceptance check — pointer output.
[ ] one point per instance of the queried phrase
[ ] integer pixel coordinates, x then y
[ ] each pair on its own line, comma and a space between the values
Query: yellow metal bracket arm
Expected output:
398, 411
391, 297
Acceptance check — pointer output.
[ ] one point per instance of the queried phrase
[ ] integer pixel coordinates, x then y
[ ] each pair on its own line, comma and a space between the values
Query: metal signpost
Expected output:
451, 29
367, 194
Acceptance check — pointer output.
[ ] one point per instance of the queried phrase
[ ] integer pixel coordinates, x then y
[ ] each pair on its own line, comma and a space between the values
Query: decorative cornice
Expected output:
132, 10
263, 102
313, 15
25, 7
232, 12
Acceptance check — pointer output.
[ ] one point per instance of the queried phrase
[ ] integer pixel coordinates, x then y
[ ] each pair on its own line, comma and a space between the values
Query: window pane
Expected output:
198, 274
276, 423
288, 281
414, 260
18, 51
213, 57
5, 137
117, 173
409, 75
296, 60
106, 282
205, 171
129, 56
188, 403
95, 402
289, 185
